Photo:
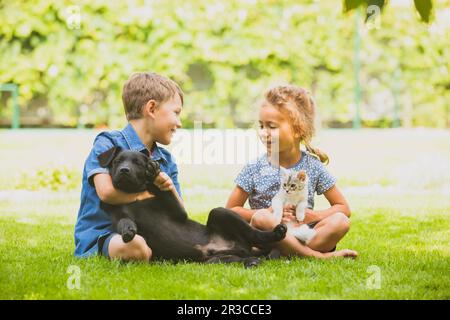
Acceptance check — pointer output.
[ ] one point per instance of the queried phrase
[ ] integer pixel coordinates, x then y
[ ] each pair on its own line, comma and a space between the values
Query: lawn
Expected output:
395, 180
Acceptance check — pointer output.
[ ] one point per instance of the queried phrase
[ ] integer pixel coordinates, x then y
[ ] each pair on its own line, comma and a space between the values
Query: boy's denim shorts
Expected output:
103, 244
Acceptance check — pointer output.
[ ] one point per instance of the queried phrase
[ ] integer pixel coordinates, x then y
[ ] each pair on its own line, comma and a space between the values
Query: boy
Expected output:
152, 105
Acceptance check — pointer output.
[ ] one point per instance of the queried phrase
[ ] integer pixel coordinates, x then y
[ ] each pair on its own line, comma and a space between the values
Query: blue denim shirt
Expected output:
93, 223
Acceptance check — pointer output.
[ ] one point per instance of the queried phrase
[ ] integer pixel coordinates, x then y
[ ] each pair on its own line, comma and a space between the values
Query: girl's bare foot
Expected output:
345, 253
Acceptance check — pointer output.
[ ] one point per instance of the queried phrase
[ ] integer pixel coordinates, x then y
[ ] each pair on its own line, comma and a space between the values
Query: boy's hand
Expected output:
144, 195
163, 182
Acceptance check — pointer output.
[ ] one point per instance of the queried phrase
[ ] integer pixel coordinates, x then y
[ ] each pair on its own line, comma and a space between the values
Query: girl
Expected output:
286, 119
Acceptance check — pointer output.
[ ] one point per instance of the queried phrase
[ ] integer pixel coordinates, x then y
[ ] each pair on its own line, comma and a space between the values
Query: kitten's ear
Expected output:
108, 156
301, 175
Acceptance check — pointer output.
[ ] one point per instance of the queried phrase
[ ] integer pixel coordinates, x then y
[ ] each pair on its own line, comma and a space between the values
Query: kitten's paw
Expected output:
280, 231
300, 214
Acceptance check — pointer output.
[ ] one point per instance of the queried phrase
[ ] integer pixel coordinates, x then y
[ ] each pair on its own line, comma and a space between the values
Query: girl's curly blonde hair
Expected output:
297, 104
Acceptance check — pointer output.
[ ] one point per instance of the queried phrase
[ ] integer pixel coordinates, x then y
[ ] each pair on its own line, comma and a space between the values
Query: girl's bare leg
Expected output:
290, 246
329, 232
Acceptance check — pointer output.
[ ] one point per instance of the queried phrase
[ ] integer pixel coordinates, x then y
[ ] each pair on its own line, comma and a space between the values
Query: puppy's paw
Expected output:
280, 231
274, 254
128, 235
128, 230
251, 262
152, 170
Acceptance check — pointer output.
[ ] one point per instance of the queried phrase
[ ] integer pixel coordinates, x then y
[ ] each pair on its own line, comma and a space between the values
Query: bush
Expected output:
70, 65
50, 178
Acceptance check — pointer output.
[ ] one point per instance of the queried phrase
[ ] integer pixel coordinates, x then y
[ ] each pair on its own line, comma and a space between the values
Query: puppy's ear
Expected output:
108, 156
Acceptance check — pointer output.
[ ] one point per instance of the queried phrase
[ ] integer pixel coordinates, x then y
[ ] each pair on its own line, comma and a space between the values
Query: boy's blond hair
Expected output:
142, 87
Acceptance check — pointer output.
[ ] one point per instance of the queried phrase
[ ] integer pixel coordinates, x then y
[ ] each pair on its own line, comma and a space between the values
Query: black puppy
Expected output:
164, 224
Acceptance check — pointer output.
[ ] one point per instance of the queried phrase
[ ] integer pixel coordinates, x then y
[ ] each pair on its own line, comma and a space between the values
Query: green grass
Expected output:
403, 232
408, 240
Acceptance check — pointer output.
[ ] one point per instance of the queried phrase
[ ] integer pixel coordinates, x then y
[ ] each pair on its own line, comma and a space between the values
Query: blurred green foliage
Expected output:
71, 59
424, 7
56, 178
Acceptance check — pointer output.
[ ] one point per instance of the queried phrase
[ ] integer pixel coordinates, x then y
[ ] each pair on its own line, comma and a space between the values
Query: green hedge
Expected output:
224, 54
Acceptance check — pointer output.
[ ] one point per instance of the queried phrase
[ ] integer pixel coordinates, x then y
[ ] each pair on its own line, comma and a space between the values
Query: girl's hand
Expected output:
163, 182
289, 214
310, 216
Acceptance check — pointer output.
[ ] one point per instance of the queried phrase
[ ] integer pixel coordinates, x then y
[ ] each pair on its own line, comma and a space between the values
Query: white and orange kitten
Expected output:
293, 191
